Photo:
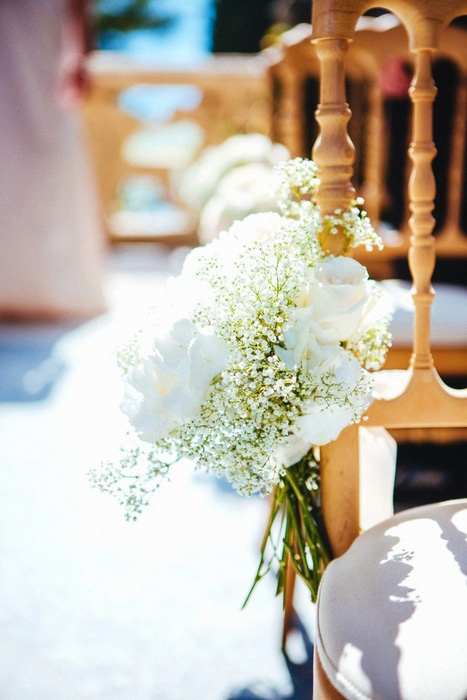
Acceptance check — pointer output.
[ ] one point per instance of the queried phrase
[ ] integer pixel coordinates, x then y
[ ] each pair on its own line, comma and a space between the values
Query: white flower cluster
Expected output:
246, 189
299, 183
198, 183
267, 355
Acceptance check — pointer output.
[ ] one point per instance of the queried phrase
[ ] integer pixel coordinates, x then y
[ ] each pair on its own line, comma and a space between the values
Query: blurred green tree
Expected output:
127, 16
239, 25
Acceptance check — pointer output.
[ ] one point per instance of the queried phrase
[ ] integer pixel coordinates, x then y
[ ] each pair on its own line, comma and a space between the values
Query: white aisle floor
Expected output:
92, 606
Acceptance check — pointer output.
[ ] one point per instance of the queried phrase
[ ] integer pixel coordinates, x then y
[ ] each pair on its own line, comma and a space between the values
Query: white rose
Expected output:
339, 295
330, 308
199, 181
301, 346
322, 419
167, 388
380, 306
250, 188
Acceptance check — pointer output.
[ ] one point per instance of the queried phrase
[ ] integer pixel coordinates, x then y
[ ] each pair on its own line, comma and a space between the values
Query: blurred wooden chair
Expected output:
131, 146
293, 67
382, 44
392, 606
381, 168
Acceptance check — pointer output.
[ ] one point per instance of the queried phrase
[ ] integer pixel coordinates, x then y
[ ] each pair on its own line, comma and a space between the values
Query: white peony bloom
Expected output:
167, 388
188, 292
255, 227
224, 252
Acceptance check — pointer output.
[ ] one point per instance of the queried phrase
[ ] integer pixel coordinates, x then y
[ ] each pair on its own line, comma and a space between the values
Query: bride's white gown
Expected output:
51, 246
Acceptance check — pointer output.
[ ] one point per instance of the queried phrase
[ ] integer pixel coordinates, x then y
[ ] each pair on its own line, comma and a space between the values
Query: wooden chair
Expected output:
392, 606
233, 98
294, 70
380, 42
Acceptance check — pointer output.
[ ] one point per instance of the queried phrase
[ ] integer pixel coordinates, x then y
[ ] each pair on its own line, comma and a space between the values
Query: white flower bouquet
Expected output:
246, 189
199, 181
266, 356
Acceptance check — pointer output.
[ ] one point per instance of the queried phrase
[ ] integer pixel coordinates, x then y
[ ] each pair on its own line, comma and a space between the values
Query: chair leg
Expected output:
289, 611
322, 687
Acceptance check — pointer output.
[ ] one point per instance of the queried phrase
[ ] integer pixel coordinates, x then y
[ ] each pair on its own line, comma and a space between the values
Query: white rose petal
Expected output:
322, 424
339, 293
292, 451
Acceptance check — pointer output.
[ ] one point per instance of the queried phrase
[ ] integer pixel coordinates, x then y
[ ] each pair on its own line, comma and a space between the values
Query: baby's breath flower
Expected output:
298, 184
299, 181
371, 348
129, 355
133, 480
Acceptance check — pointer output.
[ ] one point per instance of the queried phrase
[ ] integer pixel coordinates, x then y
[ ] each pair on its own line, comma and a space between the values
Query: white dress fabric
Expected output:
51, 245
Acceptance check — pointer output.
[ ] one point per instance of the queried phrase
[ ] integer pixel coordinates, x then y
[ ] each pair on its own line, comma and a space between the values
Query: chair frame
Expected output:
420, 400
423, 401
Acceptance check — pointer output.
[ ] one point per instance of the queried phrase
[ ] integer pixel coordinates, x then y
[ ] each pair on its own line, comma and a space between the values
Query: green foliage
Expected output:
135, 15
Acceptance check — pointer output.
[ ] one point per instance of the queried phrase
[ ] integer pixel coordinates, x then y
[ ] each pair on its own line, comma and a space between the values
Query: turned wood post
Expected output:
422, 193
334, 154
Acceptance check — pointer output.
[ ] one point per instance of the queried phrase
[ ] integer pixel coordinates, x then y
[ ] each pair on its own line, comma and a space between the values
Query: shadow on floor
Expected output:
301, 674
29, 363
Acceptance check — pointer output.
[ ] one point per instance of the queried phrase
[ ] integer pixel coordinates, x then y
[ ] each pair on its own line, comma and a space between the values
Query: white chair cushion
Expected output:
448, 314
392, 611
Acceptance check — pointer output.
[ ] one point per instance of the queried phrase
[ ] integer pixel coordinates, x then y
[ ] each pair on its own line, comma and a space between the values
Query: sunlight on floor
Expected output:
93, 606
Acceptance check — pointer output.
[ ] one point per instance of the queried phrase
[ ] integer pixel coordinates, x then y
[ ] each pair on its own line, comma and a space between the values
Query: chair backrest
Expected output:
382, 44
379, 62
293, 67
416, 398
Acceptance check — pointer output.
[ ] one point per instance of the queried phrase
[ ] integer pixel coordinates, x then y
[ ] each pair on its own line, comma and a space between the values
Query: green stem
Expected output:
276, 507
304, 541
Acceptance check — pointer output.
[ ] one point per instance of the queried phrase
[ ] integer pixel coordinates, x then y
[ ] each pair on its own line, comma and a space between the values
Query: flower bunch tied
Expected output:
266, 356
